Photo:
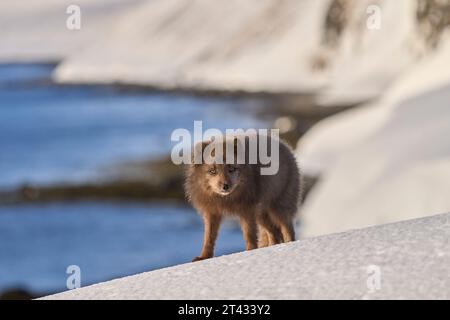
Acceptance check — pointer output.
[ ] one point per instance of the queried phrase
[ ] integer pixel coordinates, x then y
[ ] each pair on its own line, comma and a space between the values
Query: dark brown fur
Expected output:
265, 204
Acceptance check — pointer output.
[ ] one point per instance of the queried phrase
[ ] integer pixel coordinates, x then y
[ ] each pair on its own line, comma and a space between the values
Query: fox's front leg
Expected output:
212, 225
250, 231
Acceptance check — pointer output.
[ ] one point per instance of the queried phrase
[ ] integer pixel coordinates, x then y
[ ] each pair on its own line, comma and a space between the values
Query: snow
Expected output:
350, 266
35, 31
387, 161
255, 45
204, 45
368, 60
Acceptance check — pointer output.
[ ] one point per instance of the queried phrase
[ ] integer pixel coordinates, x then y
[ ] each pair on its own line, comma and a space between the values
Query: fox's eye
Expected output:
232, 169
212, 171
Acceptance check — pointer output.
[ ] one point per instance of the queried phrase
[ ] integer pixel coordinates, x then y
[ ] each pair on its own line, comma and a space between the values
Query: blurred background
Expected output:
90, 92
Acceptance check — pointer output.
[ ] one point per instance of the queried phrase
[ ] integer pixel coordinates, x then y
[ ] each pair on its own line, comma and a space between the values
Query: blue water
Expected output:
39, 242
51, 134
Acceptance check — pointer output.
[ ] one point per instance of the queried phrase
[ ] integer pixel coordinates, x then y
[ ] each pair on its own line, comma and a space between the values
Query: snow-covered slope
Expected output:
387, 161
331, 46
254, 45
385, 262
35, 31
370, 53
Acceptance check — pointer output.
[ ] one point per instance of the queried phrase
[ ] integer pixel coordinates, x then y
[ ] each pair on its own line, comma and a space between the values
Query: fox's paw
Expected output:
200, 258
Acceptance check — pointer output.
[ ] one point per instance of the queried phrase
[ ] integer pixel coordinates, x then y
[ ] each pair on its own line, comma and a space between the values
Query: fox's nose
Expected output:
225, 187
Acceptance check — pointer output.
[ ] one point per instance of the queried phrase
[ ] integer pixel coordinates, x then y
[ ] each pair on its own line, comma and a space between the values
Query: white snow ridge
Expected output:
342, 270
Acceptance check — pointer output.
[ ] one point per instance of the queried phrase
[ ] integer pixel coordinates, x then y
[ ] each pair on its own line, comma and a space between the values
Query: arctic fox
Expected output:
265, 204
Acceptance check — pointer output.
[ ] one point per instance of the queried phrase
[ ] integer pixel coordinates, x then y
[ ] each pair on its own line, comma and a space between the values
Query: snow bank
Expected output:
35, 31
340, 266
254, 45
387, 161
369, 58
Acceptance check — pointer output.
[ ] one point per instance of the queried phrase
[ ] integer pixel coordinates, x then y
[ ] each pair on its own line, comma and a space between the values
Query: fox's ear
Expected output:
198, 151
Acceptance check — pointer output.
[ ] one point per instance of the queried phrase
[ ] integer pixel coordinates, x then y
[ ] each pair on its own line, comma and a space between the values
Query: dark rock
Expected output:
17, 294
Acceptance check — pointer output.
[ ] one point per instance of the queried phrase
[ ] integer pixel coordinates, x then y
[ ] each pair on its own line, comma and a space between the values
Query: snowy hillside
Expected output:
342, 47
35, 31
232, 45
270, 46
387, 161
344, 269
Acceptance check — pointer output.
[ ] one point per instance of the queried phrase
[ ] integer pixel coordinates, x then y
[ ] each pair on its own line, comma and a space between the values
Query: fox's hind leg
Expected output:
263, 238
269, 228
285, 223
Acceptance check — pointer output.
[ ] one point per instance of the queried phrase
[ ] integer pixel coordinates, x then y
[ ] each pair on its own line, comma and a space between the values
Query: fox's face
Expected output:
215, 174
222, 179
